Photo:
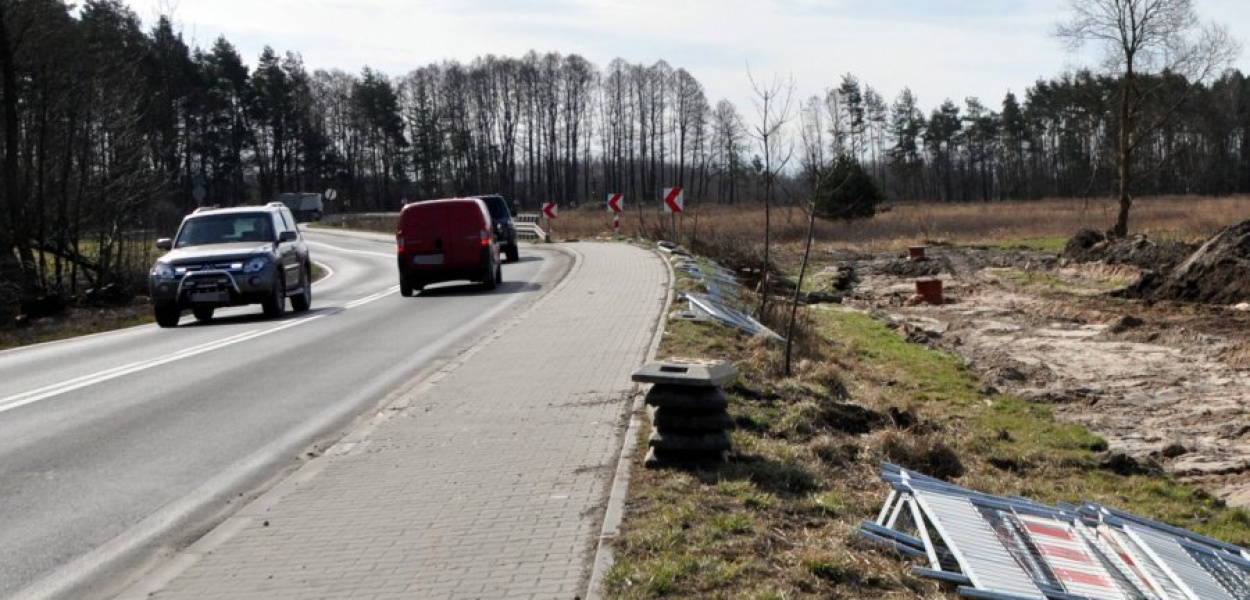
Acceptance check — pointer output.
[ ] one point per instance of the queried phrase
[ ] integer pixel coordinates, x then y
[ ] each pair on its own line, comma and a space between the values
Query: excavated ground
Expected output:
1165, 383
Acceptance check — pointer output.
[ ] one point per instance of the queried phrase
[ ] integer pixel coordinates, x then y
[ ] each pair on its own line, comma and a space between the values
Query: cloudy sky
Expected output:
939, 48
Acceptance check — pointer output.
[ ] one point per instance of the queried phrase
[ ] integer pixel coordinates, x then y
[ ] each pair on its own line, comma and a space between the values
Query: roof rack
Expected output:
204, 209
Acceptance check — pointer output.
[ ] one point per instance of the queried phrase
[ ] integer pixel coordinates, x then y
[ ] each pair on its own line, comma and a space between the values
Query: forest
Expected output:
109, 127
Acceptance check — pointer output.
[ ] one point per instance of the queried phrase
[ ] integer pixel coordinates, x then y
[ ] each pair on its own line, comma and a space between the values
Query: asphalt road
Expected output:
117, 448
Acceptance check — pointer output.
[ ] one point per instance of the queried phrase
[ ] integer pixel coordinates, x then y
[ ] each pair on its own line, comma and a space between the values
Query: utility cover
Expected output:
689, 372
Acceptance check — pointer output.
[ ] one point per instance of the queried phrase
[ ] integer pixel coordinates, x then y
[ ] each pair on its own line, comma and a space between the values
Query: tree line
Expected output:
109, 129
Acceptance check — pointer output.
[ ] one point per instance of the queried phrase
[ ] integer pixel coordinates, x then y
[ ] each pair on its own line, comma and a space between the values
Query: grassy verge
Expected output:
778, 520
76, 322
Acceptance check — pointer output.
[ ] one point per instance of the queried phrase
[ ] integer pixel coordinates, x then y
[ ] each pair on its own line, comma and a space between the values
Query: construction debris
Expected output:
1000, 548
729, 316
722, 301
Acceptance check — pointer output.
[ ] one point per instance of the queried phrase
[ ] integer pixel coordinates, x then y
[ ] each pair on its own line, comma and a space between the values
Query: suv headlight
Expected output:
163, 271
256, 264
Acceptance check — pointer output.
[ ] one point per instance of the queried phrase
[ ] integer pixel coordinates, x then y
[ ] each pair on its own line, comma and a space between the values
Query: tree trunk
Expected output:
798, 288
1125, 151
13, 267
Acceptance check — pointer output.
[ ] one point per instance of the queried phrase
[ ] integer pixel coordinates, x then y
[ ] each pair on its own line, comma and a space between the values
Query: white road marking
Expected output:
373, 298
56, 389
351, 251
326, 268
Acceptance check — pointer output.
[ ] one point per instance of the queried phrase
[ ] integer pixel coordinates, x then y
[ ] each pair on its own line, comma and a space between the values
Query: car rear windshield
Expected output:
497, 205
225, 229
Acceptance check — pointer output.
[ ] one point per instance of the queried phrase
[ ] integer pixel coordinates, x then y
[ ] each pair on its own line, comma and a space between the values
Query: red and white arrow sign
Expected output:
673, 200
549, 210
616, 203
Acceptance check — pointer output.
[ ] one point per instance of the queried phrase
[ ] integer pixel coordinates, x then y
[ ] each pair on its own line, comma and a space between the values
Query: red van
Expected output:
446, 240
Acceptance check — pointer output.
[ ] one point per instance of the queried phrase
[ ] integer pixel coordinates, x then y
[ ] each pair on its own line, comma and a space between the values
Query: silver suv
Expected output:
231, 257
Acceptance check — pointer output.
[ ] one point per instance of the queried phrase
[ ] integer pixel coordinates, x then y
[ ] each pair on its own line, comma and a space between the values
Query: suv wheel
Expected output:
275, 304
513, 254
203, 314
167, 316
303, 301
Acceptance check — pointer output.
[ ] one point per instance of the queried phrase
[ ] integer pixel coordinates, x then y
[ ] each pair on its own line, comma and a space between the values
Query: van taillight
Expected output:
485, 237
399, 241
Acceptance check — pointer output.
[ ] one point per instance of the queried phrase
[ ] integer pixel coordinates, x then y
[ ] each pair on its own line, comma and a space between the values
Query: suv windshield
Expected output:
225, 229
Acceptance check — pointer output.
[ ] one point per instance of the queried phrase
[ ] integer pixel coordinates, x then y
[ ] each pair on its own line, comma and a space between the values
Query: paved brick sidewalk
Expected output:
489, 483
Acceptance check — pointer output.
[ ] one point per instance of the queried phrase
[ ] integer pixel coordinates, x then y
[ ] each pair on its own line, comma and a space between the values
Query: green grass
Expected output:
1054, 244
920, 374
1052, 282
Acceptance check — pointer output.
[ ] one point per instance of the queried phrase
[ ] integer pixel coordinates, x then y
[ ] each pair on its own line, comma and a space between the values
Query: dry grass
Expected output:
76, 322
1174, 217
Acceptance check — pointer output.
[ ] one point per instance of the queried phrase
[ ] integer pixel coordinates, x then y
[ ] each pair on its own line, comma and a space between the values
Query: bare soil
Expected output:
1165, 382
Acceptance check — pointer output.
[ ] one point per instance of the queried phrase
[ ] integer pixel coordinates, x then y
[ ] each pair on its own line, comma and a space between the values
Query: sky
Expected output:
939, 49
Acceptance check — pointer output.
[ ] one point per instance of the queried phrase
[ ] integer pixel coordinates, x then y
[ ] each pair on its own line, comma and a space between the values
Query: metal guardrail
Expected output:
527, 226
348, 219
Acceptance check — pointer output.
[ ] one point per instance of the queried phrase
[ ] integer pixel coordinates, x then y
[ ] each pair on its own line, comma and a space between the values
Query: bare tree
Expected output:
811, 135
774, 104
1142, 37
727, 147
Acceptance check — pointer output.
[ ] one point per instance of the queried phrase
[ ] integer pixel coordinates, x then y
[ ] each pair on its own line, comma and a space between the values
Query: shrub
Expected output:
846, 191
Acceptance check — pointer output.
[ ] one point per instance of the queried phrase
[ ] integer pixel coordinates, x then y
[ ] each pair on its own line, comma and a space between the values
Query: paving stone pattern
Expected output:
491, 483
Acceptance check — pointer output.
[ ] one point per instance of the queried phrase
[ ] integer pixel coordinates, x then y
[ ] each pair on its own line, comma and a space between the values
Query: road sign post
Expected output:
549, 211
674, 203
616, 205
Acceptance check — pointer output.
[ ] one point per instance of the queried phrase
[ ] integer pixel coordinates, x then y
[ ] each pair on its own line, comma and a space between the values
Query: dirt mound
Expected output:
912, 268
1217, 273
1139, 251
1081, 246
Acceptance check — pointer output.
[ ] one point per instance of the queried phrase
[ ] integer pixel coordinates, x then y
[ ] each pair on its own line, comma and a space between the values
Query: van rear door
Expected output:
424, 238
464, 227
